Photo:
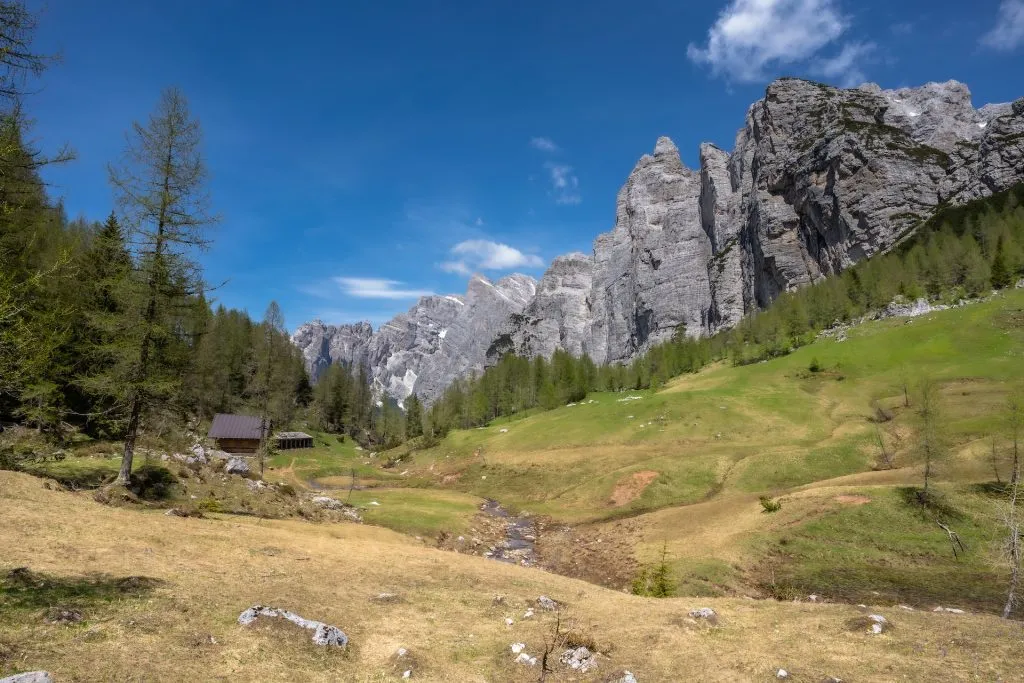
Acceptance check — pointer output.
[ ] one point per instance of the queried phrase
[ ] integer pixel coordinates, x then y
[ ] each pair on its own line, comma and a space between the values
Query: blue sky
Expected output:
364, 153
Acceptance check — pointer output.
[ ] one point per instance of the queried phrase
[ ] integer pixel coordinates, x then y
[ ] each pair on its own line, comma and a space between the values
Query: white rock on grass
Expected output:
29, 677
546, 603
237, 466
580, 659
782, 673
518, 647
704, 613
323, 634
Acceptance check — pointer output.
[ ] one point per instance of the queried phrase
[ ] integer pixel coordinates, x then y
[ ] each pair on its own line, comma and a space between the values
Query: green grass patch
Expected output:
889, 550
417, 512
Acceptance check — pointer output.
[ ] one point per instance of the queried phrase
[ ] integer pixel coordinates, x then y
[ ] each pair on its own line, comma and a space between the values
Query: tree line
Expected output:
960, 253
105, 328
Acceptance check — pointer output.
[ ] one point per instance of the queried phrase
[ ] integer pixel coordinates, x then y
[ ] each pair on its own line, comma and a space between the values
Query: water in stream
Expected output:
519, 544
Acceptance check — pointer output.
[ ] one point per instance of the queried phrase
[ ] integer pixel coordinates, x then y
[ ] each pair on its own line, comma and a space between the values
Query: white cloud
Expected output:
456, 267
377, 288
845, 67
565, 185
474, 255
1008, 33
752, 37
544, 144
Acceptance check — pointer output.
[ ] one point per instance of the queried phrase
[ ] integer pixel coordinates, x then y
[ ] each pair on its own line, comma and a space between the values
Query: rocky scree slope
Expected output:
819, 179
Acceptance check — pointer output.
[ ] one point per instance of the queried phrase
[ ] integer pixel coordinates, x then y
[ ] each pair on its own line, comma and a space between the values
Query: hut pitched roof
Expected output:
226, 426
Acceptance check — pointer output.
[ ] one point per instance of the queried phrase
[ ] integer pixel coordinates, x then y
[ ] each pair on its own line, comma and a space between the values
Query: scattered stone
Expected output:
951, 610
323, 634
706, 613
782, 673
812, 597
201, 640
528, 614
581, 659
509, 621
503, 431
621, 676
178, 512
327, 503
546, 603
237, 466
497, 600
524, 658
63, 615
255, 485
907, 607
29, 677
518, 647
387, 598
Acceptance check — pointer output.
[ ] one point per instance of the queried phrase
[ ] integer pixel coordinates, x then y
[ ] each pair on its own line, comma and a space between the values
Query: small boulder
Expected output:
29, 677
580, 659
323, 634
327, 503
705, 613
547, 604
63, 615
386, 598
237, 466
782, 674
524, 658
621, 676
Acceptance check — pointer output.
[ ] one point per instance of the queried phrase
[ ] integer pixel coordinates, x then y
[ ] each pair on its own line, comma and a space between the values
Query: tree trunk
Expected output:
125, 473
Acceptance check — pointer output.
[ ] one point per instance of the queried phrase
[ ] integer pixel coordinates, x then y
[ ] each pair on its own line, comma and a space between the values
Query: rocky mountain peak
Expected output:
819, 179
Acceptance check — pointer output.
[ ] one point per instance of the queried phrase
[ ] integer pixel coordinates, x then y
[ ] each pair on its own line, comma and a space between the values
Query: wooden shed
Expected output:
289, 440
236, 433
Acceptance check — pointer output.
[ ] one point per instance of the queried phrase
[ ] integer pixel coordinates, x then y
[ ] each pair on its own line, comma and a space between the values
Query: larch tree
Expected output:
930, 441
1012, 550
270, 375
161, 191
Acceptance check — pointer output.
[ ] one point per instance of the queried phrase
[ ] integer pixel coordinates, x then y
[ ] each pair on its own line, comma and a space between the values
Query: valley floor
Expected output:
606, 487
179, 622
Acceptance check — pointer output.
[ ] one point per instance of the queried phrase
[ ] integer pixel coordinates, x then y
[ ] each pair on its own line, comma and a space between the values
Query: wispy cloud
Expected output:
377, 288
473, 255
544, 144
902, 28
564, 183
845, 67
1008, 33
753, 38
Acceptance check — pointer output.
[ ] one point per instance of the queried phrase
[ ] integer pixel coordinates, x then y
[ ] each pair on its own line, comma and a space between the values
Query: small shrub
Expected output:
152, 482
655, 581
770, 505
286, 490
815, 366
211, 505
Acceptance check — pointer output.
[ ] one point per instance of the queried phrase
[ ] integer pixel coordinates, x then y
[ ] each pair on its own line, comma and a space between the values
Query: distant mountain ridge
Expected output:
819, 179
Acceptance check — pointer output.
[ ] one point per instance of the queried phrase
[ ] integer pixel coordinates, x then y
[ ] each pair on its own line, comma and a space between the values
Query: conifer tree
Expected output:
161, 189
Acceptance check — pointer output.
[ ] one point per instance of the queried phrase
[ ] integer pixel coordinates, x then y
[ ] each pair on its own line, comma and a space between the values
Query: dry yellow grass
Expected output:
215, 568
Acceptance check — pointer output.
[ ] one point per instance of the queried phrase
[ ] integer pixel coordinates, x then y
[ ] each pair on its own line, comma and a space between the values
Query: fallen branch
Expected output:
954, 539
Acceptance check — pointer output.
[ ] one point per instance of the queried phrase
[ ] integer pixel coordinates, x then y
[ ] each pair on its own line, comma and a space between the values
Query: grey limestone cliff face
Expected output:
436, 341
819, 179
558, 316
323, 345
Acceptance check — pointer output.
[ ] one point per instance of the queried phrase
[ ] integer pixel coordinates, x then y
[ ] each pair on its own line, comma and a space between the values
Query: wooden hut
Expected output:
290, 440
236, 433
